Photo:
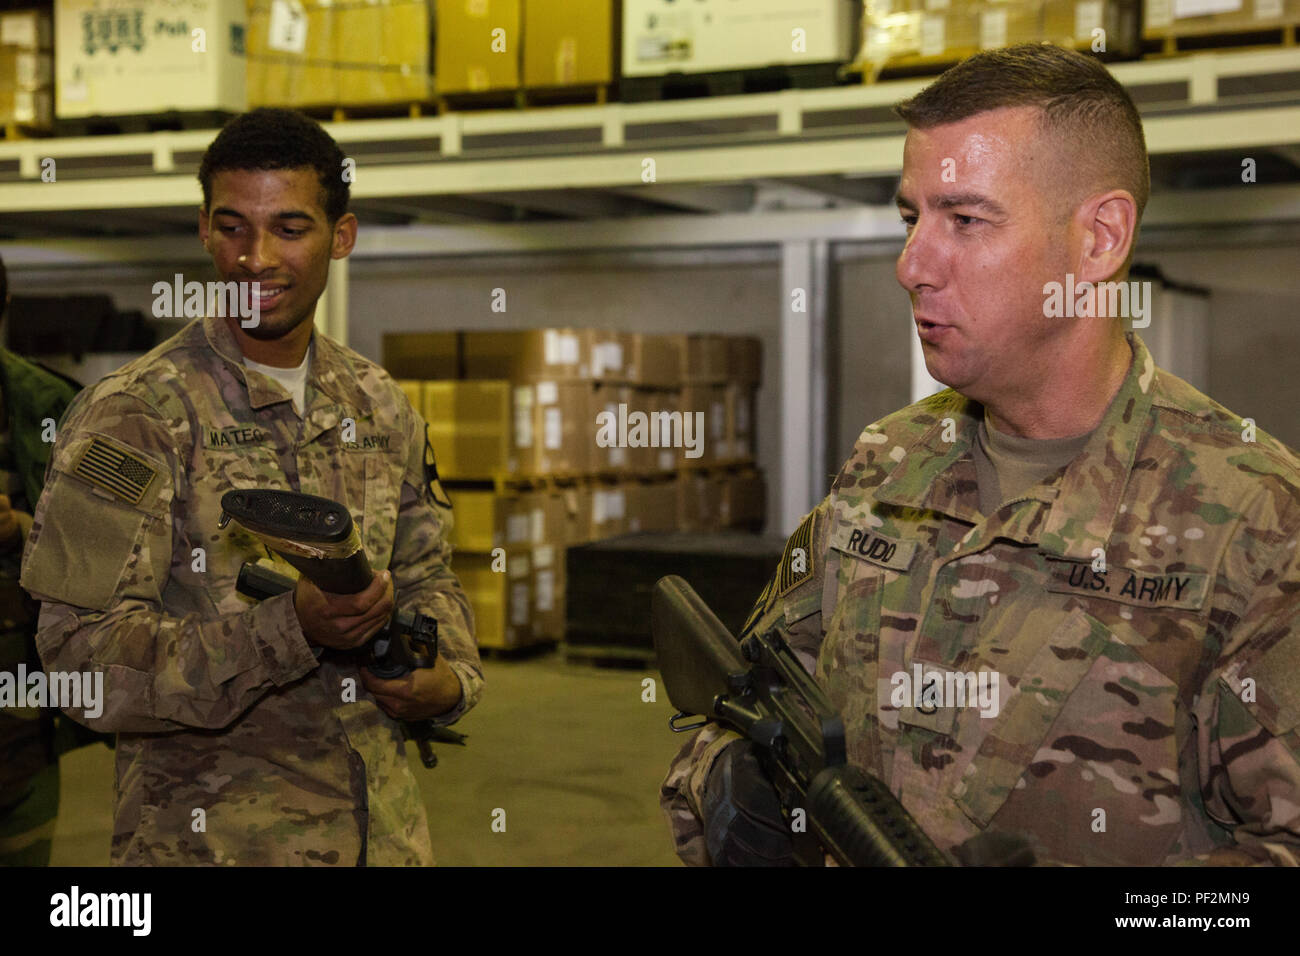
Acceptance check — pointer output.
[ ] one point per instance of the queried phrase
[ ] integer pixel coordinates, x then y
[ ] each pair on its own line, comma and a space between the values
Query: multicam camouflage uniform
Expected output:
1164, 691
29, 769
220, 705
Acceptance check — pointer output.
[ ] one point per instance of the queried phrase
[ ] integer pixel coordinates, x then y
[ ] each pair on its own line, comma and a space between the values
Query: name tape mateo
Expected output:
61, 689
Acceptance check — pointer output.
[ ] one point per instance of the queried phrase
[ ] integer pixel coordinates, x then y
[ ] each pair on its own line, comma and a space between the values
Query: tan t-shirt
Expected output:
1008, 465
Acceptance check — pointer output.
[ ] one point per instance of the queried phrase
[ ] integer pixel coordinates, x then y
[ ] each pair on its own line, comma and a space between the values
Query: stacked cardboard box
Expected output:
26, 69
553, 438
1170, 19
903, 33
350, 53
149, 56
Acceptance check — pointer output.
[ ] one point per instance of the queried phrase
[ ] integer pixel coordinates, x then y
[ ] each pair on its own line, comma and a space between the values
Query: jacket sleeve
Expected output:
421, 566
99, 557
1248, 718
791, 603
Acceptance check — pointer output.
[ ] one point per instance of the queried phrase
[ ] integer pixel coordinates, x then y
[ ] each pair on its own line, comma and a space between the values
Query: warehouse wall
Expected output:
732, 293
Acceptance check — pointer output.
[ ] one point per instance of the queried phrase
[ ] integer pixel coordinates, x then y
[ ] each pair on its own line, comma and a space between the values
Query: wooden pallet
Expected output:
1193, 39
140, 123
12, 131
677, 86
505, 484
406, 109
591, 94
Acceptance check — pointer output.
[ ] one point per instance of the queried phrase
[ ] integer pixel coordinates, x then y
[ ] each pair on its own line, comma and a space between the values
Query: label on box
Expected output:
1087, 17
559, 348
932, 39
615, 505
18, 29
1159, 13
543, 557
477, 79
476, 8
24, 107
1268, 9
993, 29
519, 567
552, 428
519, 604
288, 29
545, 590
524, 417
517, 528
548, 393
538, 517
598, 507
1201, 8
566, 60
936, 4
606, 357
617, 457
717, 420
665, 461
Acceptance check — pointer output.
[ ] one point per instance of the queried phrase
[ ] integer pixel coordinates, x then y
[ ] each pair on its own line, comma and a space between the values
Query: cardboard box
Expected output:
479, 45
291, 54
651, 506
1004, 24
699, 501
568, 42
654, 361
608, 510
701, 359
547, 587
27, 29
552, 433
745, 359
1163, 18
536, 354
939, 36
739, 414
610, 354
742, 501
470, 428
706, 406
115, 57
28, 107
422, 355
382, 51
501, 599
22, 69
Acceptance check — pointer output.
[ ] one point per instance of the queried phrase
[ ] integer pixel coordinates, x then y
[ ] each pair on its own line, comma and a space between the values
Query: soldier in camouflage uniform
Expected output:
33, 401
1119, 549
244, 736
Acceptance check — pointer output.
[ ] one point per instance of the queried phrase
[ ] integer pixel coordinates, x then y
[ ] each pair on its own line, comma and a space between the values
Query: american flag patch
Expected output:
114, 470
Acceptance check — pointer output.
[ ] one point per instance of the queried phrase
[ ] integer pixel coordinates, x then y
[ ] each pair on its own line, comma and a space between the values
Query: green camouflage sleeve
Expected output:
421, 566
792, 603
1248, 716
100, 555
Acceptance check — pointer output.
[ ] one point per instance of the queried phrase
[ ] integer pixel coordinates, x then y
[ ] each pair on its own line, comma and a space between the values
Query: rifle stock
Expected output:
760, 689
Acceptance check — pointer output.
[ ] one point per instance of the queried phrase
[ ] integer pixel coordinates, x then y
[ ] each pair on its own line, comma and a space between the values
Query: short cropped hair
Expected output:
1084, 109
268, 138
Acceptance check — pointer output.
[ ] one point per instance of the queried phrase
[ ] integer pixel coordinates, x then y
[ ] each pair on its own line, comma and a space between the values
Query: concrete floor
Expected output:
569, 751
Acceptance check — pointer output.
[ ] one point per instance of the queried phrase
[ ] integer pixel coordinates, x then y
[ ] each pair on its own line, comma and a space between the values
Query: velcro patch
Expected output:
868, 545
116, 469
1181, 589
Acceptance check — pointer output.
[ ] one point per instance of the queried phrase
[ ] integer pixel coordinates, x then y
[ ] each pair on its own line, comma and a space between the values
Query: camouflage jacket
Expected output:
220, 704
1147, 713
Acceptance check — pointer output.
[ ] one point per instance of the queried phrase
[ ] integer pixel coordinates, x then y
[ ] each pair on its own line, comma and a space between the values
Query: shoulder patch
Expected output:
116, 469
431, 479
797, 566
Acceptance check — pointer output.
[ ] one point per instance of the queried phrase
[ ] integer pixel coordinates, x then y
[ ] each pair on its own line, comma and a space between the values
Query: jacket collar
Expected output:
938, 475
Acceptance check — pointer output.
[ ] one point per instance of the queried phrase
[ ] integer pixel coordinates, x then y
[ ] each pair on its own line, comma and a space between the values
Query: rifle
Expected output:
317, 536
759, 689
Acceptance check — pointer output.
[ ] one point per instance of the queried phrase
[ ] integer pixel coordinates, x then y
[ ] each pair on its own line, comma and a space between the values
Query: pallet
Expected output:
770, 79
592, 94
505, 484
609, 655
521, 653
343, 113
141, 123
14, 131
1193, 40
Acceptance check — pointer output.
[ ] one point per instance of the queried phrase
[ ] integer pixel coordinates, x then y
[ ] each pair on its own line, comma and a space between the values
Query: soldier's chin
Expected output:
267, 330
